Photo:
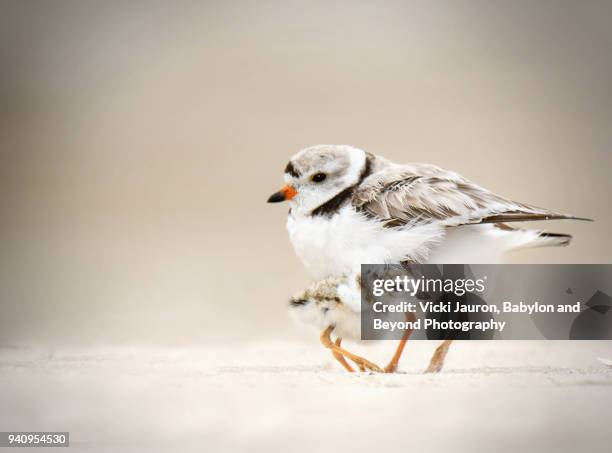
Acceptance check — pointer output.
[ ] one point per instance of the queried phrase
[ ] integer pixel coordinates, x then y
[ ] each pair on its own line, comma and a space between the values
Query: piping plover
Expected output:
331, 305
349, 207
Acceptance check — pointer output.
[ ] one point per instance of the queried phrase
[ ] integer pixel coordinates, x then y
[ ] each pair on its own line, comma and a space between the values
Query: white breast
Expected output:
339, 245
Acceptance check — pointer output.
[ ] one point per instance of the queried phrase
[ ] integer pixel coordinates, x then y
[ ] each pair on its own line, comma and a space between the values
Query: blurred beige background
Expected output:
140, 140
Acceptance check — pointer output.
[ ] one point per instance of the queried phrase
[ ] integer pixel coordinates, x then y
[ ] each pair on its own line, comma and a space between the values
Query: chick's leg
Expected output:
340, 358
360, 361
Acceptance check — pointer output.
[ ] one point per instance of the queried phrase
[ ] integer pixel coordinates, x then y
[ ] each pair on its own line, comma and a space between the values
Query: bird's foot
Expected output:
337, 352
437, 361
365, 365
391, 368
434, 367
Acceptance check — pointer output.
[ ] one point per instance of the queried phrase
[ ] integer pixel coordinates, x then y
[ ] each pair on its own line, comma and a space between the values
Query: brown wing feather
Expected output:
416, 195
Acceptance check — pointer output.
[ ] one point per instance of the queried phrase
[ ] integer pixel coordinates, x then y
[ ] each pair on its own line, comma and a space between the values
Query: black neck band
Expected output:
331, 207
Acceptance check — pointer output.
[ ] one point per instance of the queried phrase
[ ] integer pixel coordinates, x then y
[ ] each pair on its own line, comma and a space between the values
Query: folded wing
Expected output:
417, 194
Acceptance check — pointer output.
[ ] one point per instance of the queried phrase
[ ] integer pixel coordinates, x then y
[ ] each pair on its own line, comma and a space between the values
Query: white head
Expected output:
317, 174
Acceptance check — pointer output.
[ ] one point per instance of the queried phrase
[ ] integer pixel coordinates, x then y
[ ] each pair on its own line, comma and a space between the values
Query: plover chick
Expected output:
334, 305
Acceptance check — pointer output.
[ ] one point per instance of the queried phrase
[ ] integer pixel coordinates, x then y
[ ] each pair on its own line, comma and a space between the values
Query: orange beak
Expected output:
286, 193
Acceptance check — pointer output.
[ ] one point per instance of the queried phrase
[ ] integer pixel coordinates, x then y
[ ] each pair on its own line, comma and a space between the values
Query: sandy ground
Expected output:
290, 396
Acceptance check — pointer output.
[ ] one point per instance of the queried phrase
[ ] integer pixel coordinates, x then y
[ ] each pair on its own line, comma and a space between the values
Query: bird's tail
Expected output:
489, 243
547, 239
524, 238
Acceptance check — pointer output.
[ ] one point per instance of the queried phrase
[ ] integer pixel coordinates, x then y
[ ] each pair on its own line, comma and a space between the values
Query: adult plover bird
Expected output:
349, 207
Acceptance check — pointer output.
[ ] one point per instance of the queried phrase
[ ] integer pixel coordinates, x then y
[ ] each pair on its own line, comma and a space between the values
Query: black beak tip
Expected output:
276, 197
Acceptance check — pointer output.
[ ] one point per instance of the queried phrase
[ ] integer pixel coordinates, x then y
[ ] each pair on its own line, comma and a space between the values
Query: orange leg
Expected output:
340, 358
392, 366
360, 361
437, 360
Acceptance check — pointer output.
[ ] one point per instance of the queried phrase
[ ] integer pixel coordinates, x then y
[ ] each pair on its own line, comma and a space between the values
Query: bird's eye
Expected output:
318, 177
